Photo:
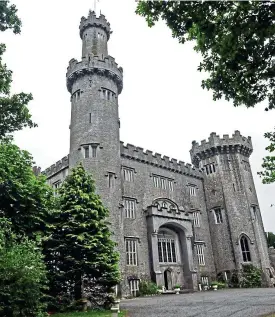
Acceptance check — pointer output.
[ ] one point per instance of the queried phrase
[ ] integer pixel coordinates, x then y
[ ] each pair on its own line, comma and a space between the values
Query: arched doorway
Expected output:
168, 279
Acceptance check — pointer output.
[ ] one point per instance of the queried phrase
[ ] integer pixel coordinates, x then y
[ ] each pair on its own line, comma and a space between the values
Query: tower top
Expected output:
94, 21
217, 145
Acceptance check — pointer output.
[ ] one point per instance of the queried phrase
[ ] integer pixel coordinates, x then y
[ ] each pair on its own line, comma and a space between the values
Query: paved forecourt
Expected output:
222, 303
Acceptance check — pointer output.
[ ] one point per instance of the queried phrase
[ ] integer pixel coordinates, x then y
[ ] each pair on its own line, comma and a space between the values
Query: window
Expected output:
218, 215
86, 152
205, 280
111, 180
129, 208
162, 182
76, 95
94, 150
210, 168
170, 185
196, 218
245, 249
56, 185
90, 118
131, 252
128, 174
192, 191
253, 210
134, 287
200, 254
166, 248
107, 94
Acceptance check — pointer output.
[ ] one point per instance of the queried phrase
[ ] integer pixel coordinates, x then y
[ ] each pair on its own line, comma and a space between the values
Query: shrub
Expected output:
22, 276
250, 276
148, 288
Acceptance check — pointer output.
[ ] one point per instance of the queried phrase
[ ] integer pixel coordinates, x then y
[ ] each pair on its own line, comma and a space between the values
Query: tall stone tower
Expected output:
94, 84
235, 221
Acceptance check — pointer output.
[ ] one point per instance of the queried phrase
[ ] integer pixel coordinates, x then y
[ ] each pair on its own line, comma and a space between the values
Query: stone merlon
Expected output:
57, 167
215, 145
137, 153
107, 67
95, 21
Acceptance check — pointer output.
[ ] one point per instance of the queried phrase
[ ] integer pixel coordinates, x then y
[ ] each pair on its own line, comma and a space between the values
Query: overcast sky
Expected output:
162, 107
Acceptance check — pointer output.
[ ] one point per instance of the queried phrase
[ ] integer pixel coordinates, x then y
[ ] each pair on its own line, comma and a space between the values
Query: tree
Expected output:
271, 239
236, 40
25, 199
22, 275
14, 114
80, 251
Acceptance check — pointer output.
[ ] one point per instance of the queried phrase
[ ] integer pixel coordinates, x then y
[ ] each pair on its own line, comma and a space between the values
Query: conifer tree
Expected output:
80, 250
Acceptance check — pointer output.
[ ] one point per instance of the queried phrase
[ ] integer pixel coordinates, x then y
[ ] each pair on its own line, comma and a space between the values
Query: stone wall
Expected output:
271, 253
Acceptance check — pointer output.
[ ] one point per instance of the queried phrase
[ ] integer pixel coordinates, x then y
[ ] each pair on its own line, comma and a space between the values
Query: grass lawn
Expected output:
90, 314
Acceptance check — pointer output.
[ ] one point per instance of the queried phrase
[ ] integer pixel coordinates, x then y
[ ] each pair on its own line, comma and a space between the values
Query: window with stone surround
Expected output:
55, 186
200, 254
196, 218
94, 150
253, 210
210, 168
131, 251
218, 215
90, 150
128, 174
192, 190
166, 248
86, 151
245, 249
134, 287
129, 208
163, 182
111, 179
107, 94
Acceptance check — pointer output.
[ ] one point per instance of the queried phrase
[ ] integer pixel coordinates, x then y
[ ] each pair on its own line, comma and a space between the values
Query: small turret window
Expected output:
210, 168
218, 215
107, 94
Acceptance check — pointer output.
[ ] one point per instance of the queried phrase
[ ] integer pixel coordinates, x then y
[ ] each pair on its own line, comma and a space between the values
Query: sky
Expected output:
162, 106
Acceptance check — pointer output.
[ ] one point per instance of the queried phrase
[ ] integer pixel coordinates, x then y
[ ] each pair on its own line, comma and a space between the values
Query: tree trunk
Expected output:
78, 286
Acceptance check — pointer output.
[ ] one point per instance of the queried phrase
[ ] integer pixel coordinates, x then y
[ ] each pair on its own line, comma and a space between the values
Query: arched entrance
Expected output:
168, 279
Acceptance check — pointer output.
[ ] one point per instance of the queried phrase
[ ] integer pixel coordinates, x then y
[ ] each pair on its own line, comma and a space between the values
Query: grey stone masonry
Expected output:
173, 222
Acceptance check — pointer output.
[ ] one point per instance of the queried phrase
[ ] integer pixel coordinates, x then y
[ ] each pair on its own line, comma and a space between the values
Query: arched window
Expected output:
245, 249
166, 248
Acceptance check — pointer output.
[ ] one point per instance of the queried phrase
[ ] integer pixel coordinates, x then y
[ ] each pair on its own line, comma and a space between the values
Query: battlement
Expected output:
137, 153
93, 64
57, 167
93, 20
216, 145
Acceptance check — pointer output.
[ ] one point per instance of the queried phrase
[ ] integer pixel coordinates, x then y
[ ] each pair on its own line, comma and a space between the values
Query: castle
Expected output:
173, 222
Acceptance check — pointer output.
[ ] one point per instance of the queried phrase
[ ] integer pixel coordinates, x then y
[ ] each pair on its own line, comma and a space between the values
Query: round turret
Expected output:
217, 145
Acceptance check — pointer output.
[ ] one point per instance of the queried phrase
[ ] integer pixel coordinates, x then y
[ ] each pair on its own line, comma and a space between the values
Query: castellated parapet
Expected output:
217, 145
93, 65
138, 154
57, 167
94, 21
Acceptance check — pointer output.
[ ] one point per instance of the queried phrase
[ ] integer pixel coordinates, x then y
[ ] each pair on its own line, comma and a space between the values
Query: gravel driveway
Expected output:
222, 303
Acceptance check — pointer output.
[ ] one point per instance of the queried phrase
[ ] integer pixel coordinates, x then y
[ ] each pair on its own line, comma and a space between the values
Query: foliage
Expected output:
221, 285
271, 239
14, 114
80, 253
214, 283
268, 165
25, 199
91, 313
250, 277
236, 40
22, 275
177, 286
147, 287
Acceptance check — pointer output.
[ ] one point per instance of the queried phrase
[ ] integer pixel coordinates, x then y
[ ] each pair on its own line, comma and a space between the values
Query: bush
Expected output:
148, 288
250, 277
22, 276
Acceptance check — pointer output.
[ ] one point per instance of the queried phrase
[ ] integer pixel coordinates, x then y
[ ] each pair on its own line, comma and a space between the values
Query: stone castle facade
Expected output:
173, 222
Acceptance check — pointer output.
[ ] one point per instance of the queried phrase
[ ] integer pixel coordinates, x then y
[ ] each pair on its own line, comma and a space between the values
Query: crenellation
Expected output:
57, 167
159, 160
216, 145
